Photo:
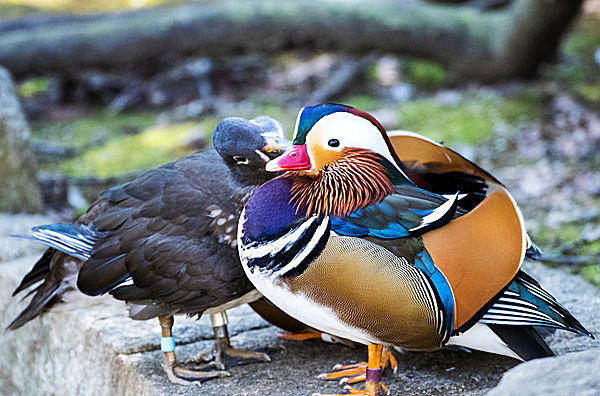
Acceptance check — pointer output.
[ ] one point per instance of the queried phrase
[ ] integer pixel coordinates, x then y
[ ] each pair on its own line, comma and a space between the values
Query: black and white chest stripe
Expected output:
287, 255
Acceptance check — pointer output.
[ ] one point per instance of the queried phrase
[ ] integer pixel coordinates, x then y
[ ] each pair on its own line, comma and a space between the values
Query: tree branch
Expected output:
491, 45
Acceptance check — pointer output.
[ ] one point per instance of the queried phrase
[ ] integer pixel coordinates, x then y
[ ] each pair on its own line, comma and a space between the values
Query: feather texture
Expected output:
356, 180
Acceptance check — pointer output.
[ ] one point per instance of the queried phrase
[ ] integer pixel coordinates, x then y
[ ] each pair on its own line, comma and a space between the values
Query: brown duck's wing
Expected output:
162, 234
439, 169
185, 274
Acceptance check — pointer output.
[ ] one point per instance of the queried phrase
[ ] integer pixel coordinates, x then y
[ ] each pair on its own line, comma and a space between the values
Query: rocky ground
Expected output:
89, 346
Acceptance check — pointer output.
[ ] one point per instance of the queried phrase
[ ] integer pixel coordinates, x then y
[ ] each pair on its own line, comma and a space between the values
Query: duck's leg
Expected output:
222, 346
357, 372
374, 370
177, 374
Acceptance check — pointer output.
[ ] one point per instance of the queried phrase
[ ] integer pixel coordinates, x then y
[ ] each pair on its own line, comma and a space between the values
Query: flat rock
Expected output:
90, 346
571, 374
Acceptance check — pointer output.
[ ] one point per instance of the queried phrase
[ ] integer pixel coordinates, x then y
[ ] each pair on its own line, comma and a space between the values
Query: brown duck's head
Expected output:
341, 160
247, 145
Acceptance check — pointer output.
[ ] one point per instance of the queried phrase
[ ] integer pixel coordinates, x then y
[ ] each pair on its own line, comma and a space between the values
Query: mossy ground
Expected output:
471, 118
152, 147
578, 253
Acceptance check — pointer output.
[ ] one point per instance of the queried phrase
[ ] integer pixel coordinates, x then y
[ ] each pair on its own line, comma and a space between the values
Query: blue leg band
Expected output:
167, 344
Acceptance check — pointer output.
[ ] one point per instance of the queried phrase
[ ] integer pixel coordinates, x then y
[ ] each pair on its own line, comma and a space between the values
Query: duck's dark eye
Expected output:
333, 143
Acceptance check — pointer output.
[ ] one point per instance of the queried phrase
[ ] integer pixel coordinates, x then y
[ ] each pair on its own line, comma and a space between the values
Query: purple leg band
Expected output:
374, 375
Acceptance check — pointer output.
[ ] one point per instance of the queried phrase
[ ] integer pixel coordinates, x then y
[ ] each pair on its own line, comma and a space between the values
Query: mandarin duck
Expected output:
348, 244
433, 167
165, 242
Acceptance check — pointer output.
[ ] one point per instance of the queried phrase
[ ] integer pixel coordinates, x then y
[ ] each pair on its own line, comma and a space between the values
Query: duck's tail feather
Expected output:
58, 273
76, 240
526, 303
524, 341
39, 272
57, 269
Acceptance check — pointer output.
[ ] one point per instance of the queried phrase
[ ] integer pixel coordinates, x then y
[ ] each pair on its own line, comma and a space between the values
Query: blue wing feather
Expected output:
409, 212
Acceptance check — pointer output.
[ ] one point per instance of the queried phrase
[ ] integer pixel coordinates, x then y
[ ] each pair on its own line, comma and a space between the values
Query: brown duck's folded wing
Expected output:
162, 233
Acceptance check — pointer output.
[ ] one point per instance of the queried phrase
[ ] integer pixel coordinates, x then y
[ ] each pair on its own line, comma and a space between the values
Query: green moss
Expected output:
558, 241
424, 74
33, 86
92, 128
12, 11
590, 92
522, 105
568, 240
467, 122
470, 119
128, 154
591, 274
584, 38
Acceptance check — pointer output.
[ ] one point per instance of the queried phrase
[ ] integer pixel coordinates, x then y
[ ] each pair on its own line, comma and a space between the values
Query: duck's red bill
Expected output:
295, 158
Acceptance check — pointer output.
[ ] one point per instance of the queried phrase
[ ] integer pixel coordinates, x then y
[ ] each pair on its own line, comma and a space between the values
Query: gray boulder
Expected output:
19, 190
575, 373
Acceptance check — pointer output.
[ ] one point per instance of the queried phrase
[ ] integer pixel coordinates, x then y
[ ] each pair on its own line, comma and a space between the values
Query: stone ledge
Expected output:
90, 346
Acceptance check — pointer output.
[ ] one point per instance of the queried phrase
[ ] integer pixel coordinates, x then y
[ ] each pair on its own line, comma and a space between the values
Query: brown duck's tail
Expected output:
57, 273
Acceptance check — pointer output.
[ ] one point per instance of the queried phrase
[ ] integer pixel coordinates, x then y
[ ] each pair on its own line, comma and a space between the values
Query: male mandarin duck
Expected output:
165, 242
347, 243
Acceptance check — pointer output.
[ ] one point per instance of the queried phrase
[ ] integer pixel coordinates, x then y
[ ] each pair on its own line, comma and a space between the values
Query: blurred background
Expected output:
111, 88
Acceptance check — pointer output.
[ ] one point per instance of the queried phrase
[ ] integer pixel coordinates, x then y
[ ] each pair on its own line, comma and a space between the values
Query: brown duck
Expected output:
165, 242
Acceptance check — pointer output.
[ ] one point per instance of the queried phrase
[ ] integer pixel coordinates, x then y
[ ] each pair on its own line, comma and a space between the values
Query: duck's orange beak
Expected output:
295, 158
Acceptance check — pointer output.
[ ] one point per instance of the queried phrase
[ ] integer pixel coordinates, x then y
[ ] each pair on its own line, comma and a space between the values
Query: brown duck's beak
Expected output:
295, 158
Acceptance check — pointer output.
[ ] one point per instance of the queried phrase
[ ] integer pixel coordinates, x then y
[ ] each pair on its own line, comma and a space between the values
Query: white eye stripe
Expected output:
351, 131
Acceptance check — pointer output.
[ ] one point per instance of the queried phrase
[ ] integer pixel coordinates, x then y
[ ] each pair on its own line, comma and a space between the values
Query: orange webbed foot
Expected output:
357, 372
369, 372
309, 335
